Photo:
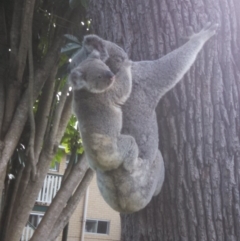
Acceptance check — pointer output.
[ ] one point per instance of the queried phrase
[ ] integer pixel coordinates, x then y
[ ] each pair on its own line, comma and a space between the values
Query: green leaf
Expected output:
80, 150
58, 157
72, 38
70, 48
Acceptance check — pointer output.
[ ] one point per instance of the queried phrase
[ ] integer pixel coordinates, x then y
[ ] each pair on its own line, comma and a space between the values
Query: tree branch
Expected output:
3, 65
13, 200
26, 33
57, 116
70, 165
43, 111
67, 112
31, 155
18, 59
67, 212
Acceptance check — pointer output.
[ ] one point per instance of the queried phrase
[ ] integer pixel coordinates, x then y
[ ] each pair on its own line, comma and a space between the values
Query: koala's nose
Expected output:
109, 74
74, 75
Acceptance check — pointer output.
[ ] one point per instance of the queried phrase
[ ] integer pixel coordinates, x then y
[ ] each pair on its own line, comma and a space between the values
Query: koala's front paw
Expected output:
207, 32
210, 29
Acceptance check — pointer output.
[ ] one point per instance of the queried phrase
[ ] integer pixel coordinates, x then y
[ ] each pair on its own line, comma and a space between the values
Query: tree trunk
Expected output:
199, 124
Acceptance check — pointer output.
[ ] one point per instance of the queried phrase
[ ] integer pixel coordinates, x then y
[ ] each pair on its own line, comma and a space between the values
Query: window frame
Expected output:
39, 218
55, 168
97, 220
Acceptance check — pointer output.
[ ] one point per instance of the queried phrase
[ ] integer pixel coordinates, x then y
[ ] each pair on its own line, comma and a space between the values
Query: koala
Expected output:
98, 97
129, 191
109, 52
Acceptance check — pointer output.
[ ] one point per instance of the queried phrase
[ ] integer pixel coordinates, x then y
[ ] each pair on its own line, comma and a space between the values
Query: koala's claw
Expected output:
208, 31
211, 27
208, 25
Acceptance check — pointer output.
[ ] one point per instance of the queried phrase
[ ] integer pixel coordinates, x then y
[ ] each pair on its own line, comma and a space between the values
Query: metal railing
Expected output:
27, 232
50, 187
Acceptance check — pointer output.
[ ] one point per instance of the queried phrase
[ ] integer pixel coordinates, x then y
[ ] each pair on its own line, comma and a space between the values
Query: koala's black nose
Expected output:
109, 74
74, 75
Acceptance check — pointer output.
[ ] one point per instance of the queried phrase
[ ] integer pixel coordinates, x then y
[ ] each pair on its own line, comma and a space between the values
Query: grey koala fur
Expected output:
98, 96
129, 191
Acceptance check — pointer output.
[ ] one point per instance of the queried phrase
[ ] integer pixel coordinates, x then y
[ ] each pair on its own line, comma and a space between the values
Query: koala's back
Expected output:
139, 119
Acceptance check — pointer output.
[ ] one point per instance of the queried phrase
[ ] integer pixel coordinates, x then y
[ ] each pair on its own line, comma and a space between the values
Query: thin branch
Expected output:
25, 177
57, 115
66, 114
13, 198
15, 29
43, 112
52, 108
3, 64
67, 212
18, 59
70, 165
26, 33
30, 107
12, 137
2, 101
64, 19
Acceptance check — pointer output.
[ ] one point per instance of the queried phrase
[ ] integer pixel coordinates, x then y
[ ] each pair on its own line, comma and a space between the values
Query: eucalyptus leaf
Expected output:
70, 47
72, 38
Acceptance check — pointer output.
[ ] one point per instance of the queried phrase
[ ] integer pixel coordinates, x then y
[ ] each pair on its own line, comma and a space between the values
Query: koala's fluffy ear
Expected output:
77, 79
95, 54
77, 58
91, 42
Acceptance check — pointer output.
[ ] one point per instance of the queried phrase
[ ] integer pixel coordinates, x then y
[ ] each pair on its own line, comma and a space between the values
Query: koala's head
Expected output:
90, 44
93, 42
92, 74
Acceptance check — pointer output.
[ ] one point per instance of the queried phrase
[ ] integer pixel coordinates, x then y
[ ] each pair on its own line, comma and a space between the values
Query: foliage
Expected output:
71, 140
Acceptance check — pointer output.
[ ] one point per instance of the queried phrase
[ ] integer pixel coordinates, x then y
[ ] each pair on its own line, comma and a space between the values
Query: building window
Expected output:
54, 167
97, 226
35, 219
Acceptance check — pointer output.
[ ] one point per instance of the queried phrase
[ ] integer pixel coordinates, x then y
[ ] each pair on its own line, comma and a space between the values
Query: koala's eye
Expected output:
99, 76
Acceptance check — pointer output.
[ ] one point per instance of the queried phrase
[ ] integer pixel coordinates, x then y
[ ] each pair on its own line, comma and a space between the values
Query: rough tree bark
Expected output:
199, 124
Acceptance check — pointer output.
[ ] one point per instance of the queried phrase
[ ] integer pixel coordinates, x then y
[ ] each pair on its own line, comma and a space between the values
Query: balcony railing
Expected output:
50, 187
27, 232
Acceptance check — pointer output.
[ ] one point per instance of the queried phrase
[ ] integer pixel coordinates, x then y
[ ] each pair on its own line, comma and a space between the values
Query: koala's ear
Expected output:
95, 54
91, 42
77, 79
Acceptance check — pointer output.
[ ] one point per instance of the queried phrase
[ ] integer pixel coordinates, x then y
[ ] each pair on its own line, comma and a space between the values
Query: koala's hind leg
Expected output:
128, 149
163, 74
109, 153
